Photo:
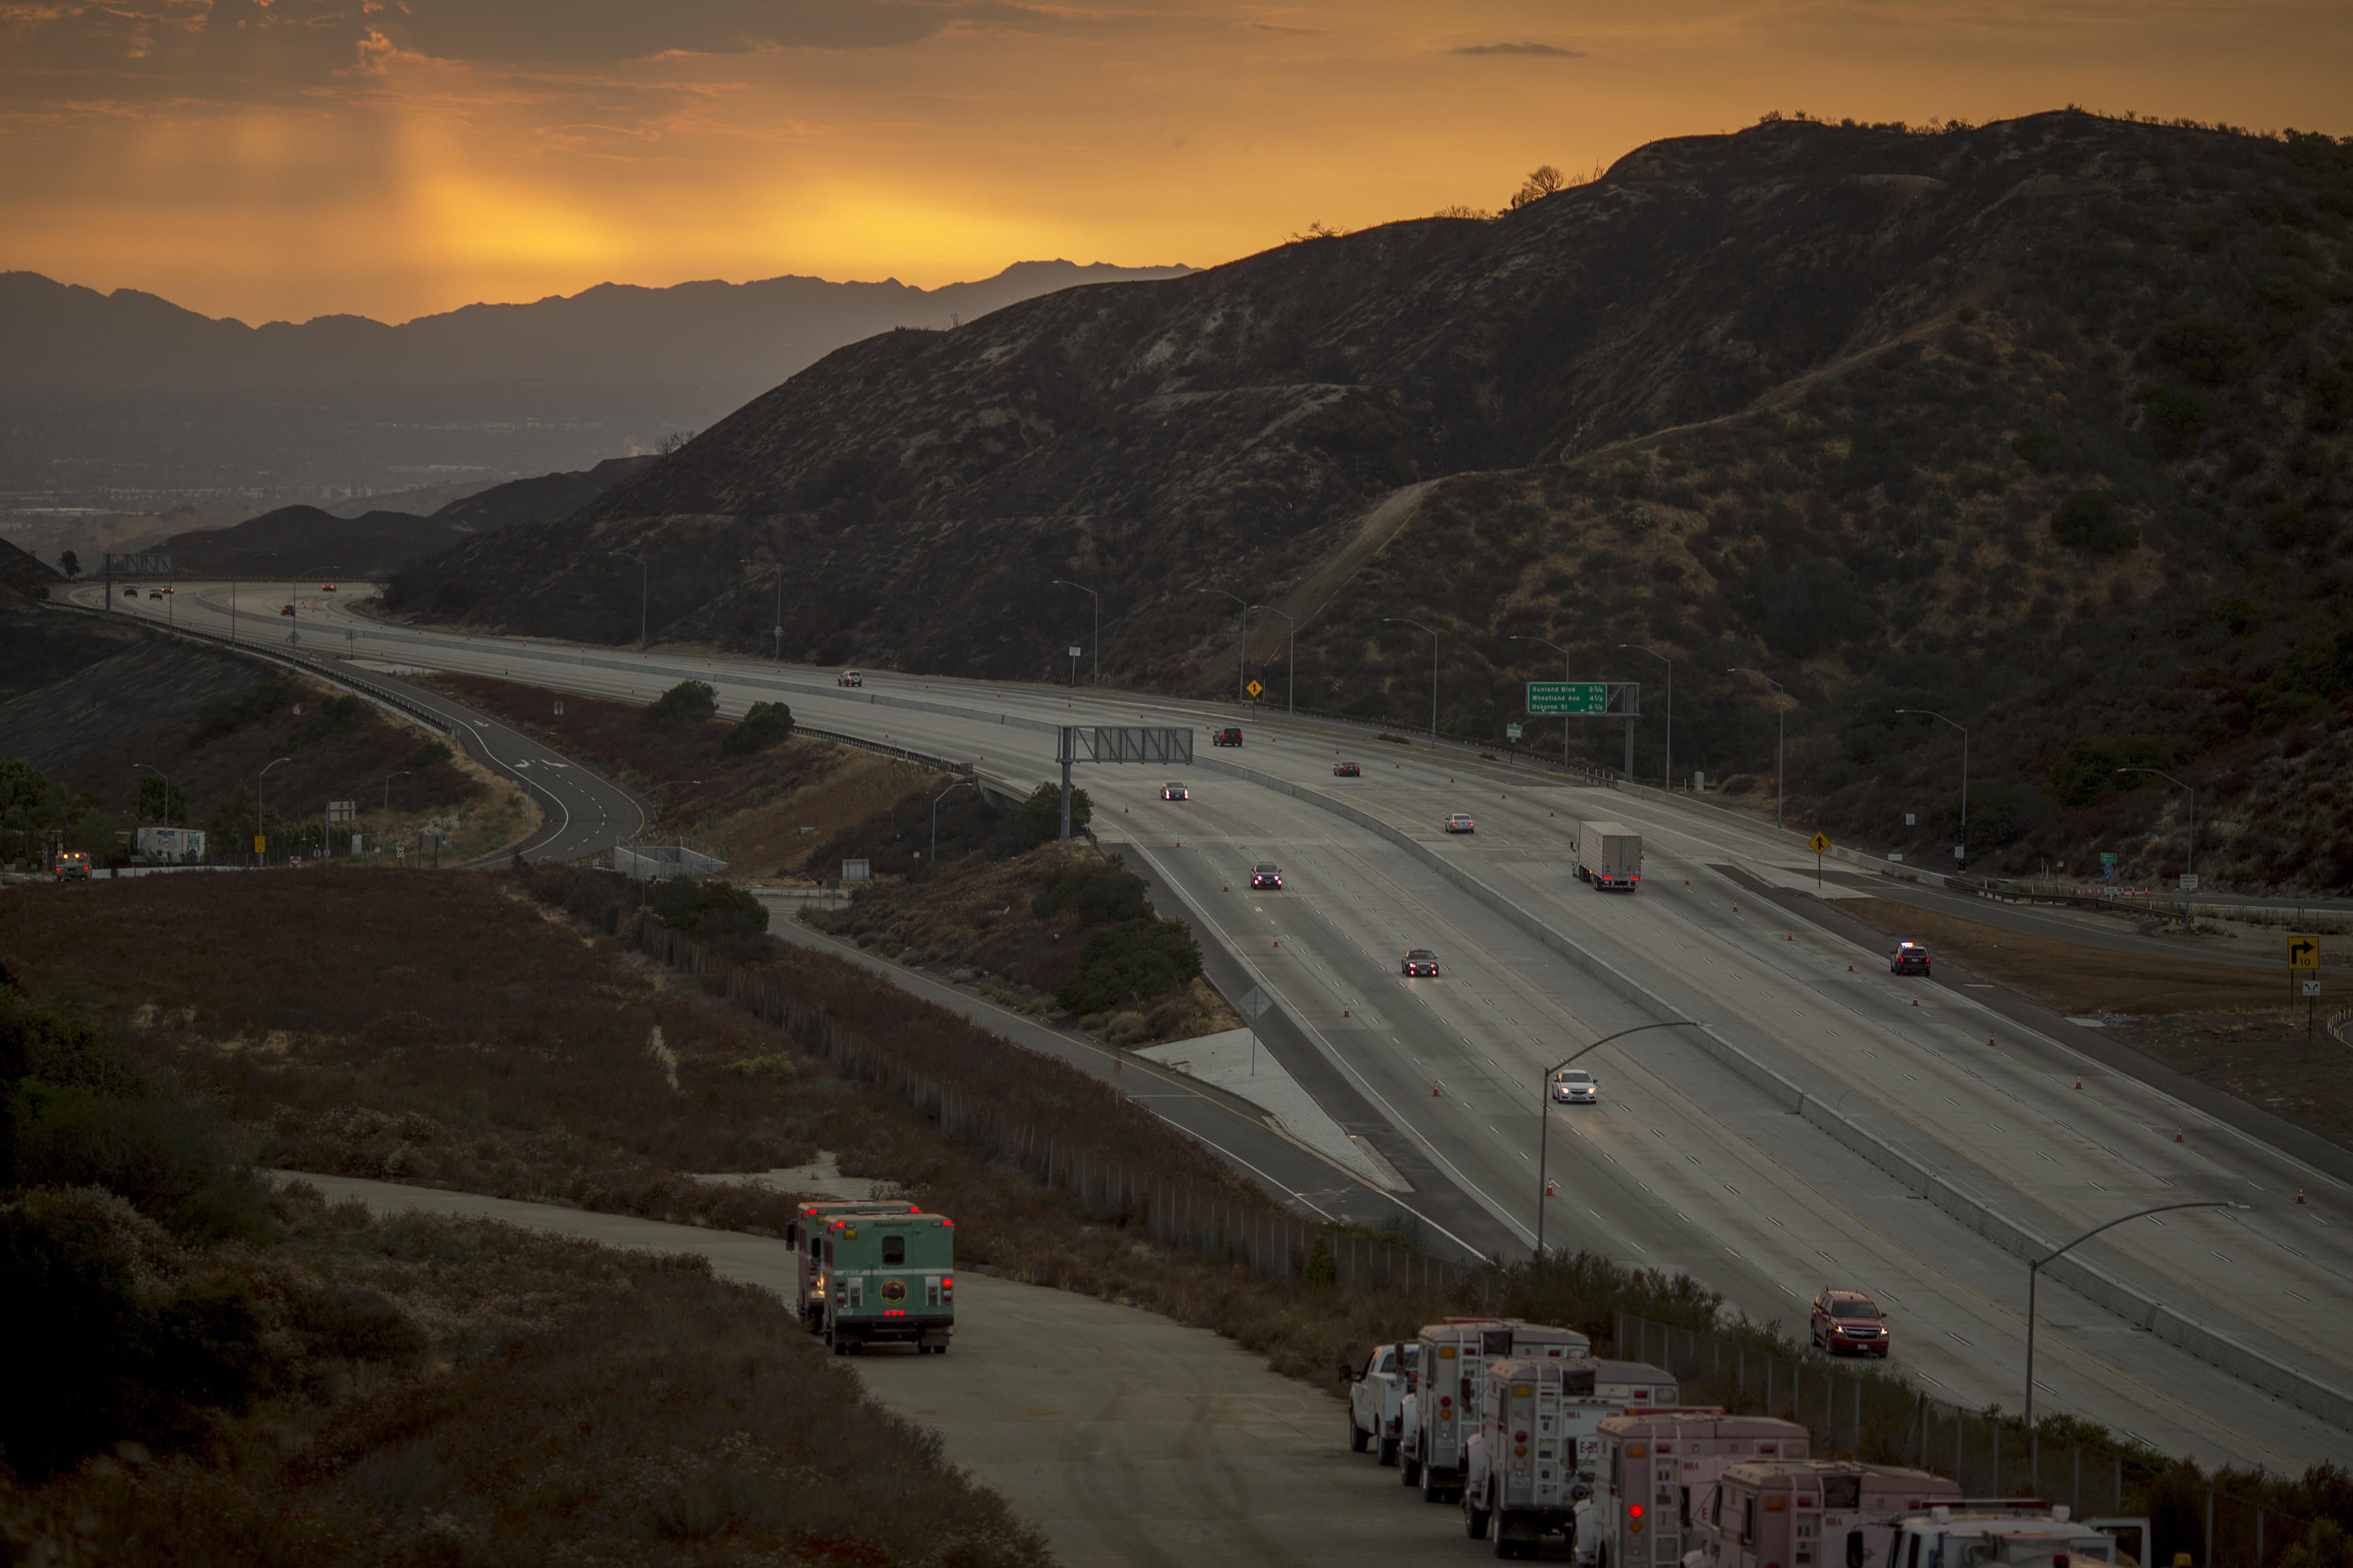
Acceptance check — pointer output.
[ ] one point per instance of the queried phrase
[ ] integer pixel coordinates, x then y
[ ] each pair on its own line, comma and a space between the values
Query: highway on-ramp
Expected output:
1684, 1164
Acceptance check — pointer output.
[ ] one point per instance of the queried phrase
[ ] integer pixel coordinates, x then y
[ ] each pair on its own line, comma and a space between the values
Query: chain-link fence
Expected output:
1866, 1412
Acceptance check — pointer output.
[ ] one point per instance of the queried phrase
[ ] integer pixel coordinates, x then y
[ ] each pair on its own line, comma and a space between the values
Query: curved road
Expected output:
1683, 1166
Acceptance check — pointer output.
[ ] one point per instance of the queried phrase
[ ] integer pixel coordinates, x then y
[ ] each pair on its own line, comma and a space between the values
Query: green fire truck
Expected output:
886, 1278
806, 1235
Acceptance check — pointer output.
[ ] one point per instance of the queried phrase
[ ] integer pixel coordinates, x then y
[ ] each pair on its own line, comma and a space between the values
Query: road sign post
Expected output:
1820, 844
1590, 699
2304, 953
1254, 1004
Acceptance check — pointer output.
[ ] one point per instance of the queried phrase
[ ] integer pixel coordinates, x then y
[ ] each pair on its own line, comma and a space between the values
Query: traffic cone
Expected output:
1916, 1001
1850, 969
2176, 1135
1278, 944
1226, 889
1344, 1012
1552, 1189
2079, 1083
1788, 936
2299, 1194
1735, 909
1433, 1093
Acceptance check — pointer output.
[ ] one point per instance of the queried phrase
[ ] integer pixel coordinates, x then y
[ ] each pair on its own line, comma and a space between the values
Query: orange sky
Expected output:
287, 158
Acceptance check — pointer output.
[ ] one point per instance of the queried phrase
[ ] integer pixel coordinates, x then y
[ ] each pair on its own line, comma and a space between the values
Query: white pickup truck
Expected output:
1376, 1396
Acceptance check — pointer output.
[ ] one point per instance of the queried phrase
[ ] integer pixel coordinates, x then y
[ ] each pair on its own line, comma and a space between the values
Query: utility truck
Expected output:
1376, 1396
167, 846
1652, 1466
888, 1278
1609, 857
805, 1234
1443, 1411
1523, 1476
1815, 1513
2019, 1530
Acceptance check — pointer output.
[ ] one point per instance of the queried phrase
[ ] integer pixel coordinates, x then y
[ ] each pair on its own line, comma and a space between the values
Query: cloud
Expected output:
1522, 49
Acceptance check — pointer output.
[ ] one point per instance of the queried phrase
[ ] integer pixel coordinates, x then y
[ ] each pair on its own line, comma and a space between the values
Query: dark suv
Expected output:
1266, 874
1909, 958
1847, 1321
1230, 735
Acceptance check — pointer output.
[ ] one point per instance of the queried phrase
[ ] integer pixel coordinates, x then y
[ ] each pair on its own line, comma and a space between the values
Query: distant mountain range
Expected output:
123, 396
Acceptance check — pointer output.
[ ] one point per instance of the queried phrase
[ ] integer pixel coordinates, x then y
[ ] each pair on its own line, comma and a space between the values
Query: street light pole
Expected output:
935, 812
1667, 772
1565, 727
1290, 681
2192, 868
1090, 593
167, 788
779, 567
1241, 678
1780, 746
2034, 1272
1400, 620
257, 801
644, 573
1963, 858
233, 585
384, 821
1544, 1131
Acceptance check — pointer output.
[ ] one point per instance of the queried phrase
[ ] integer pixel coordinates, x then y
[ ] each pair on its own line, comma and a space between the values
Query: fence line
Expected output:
1263, 1241
1866, 1413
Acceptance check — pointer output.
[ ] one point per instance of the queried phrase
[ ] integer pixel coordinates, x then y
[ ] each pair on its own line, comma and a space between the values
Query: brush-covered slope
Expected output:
2041, 424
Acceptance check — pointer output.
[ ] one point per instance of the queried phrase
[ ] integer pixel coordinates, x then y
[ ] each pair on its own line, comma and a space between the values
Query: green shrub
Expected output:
2087, 769
1129, 962
765, 1066
1038, 820
2176, 417
2091, 522
425, 755
2207, 349
1813, 605
165, 1154
264, 702
722, 916
687, 702
765, 724
1102, 892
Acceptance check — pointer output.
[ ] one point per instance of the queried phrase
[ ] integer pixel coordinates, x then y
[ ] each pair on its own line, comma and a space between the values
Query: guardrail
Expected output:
882, 748
2340, 1026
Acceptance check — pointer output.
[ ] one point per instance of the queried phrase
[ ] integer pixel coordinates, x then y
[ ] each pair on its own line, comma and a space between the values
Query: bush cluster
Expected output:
1129, 962
687, 702
765, 725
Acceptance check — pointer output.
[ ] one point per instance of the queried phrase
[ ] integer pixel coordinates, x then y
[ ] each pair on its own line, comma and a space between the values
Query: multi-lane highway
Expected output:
1685, 1165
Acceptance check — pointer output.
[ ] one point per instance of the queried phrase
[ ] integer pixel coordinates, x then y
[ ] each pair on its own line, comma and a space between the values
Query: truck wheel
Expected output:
1435, 1490
1409, 1470
841, 1347
1358, 1438
1474, 1518
1388, 1453
1495, 1537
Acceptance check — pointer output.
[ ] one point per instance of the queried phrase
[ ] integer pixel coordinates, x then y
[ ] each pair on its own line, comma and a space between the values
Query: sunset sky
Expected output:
280, 159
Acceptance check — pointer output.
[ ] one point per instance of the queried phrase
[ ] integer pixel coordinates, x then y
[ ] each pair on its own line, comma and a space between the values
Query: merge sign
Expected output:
1568, 696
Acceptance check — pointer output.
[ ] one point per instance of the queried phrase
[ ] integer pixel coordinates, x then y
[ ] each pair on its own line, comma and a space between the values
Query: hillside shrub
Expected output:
1038, 820
1101, 893
2086, 770
765, 725
2091, 522
2176, 417
1128, 962
687, 702
1813, 605
264, 702
2205, 348
720, 915
424, 754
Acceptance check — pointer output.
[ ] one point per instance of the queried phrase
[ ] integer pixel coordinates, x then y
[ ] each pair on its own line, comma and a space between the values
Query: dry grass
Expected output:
542, 1399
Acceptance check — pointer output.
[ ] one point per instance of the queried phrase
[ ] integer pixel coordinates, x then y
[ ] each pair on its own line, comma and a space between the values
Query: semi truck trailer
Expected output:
1609, 857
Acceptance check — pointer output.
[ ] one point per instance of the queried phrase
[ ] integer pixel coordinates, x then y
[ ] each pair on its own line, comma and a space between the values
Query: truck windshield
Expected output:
1853, 1309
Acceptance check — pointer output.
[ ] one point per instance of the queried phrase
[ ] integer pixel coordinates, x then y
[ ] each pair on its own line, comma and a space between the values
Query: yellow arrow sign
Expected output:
1819, 844
1254, 689
2304, 953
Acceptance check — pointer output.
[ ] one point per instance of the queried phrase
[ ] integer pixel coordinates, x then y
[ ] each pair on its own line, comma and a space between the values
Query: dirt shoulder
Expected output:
2225, 1025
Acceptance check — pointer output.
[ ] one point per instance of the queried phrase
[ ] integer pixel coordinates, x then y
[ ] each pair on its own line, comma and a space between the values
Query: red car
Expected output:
1848, 1320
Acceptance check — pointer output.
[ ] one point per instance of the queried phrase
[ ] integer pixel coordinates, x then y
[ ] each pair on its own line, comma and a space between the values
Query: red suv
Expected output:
1848, 1320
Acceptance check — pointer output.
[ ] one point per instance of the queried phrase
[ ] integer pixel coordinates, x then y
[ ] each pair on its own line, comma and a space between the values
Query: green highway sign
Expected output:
2107, 857
1568, 696
1511, 732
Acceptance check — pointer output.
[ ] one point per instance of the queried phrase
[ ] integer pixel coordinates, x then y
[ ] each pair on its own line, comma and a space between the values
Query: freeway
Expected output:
1684, 1165
581, 812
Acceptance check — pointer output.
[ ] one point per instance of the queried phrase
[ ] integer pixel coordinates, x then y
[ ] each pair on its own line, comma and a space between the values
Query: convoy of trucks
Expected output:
1609, 857
1536, 1438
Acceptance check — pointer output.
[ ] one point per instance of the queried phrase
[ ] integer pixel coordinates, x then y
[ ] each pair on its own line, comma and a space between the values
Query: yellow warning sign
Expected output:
1254, 689
1819, 844
2303, 953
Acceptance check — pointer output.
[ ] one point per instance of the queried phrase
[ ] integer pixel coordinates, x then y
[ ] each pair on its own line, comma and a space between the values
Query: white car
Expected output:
1575, 1085
1461, 822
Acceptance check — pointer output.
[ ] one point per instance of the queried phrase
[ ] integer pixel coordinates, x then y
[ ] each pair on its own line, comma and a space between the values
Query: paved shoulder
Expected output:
1127, 1437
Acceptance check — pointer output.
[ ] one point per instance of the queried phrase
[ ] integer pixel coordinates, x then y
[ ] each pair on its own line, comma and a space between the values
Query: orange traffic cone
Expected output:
1433, 1093
1916, 1001
1850, 969
2299, 1194
2079, 1083
2176, 1135
1344, 1012
1278, 944
1552, 1189
1788, 936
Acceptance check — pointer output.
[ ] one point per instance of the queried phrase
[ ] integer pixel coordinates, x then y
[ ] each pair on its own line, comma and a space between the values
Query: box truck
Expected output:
1609, 857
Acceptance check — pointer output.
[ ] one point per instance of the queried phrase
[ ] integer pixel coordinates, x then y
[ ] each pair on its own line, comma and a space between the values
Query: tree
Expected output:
1542, 181
152, 804
687, 702
764, 725
70, 564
